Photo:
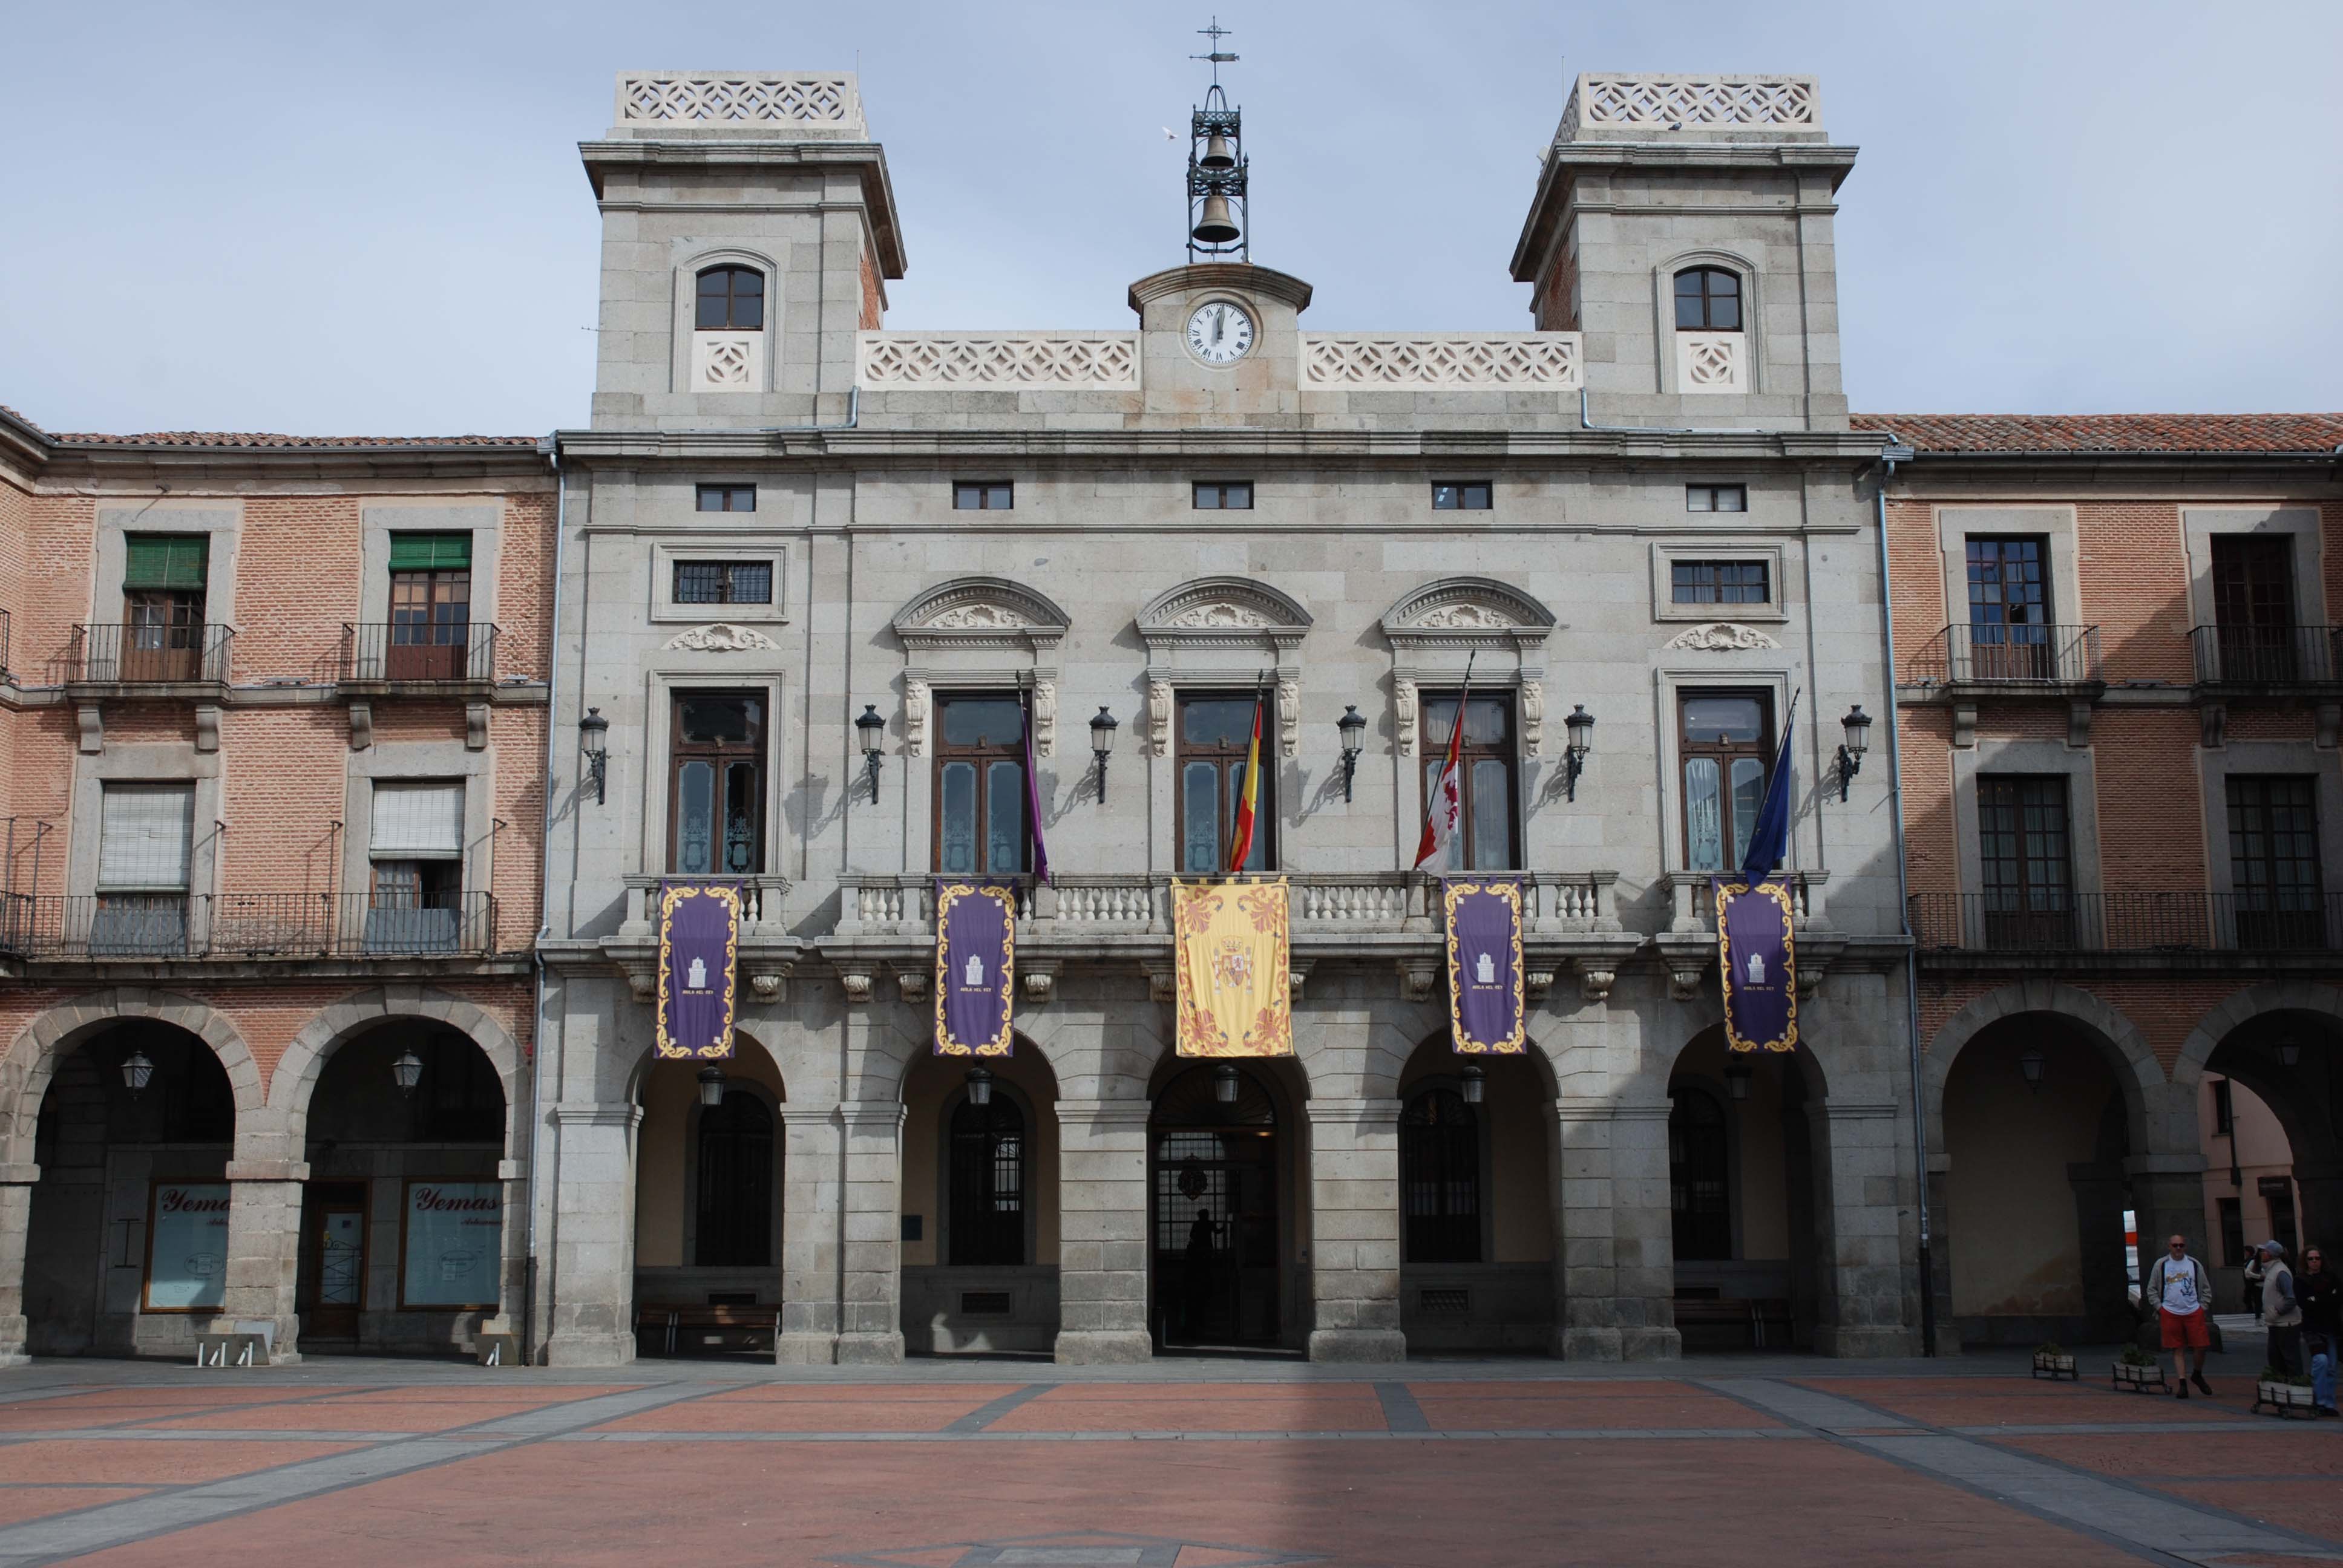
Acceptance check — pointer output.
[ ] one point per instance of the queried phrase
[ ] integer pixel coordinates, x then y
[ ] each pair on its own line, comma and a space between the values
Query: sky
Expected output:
346, 219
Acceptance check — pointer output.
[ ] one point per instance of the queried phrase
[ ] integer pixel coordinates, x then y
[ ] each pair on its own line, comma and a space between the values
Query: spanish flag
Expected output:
1240, 838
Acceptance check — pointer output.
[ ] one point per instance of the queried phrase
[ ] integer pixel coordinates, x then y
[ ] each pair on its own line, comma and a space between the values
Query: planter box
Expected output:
2054, 1367
2149, 1379
2283, 1398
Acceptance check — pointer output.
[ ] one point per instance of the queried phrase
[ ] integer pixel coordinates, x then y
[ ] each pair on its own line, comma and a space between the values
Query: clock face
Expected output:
1219, 332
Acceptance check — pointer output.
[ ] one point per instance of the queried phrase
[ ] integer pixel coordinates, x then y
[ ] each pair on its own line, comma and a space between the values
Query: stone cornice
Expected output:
868, 160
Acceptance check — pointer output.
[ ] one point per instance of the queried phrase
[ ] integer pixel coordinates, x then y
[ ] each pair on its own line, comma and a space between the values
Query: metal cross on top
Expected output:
1215, 32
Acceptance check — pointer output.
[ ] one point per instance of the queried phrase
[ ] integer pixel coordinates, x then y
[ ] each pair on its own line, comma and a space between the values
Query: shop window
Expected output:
1724, 741
1440, 1179
1485, 776
980, 806
988, 1183
715, 797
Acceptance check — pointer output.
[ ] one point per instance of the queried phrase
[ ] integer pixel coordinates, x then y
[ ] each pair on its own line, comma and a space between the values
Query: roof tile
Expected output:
2110, 433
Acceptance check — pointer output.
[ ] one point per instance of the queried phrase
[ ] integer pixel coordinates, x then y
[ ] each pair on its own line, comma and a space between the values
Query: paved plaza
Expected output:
1198, 1463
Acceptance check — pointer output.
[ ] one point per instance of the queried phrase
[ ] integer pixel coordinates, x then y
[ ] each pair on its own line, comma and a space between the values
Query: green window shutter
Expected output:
430, 552
165, 560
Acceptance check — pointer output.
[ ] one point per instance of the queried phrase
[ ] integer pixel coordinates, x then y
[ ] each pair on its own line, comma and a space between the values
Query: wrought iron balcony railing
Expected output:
149, 654
2014, 656
2266, 655
2276, 920
163, 926
420, 653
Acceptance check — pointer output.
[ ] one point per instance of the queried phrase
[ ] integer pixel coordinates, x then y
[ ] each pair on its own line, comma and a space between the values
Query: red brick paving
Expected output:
417, 1411
160, 1463
1530, 1406
1979, 1402
18, 1503
1200, 1407
2245, 1455
1398, 1505
2314, 1507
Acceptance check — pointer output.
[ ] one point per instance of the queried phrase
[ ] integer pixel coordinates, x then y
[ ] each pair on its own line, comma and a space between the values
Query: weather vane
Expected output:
1217, 214
1215, 32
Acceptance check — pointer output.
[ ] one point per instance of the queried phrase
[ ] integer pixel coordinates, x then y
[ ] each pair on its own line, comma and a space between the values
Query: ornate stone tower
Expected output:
748, 228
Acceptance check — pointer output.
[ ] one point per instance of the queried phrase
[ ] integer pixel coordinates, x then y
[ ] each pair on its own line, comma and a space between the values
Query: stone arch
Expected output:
1223, 604
33, 1056
2126, 1050
981, 606
2243, 1007
1467, 604
295, 1081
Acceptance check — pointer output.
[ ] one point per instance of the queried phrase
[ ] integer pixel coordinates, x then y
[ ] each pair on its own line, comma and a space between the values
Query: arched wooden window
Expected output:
1440, 1176
988, 1183
1708, 299
731, 300
735, 1228
1699, 1176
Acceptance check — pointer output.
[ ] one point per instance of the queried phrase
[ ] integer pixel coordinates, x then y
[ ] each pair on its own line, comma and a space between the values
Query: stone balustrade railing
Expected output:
1694, 900
757, 893
1733, 101
902, 904
1015, 361
1330, 361
1440, 361
742, 100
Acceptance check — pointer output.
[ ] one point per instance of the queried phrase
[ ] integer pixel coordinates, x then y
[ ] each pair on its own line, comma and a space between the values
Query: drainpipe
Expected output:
1889, 459
551, 447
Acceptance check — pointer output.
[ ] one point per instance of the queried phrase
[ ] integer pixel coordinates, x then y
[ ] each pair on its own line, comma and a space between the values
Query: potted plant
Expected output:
2054, 1361
2138, 1371
2284, 1392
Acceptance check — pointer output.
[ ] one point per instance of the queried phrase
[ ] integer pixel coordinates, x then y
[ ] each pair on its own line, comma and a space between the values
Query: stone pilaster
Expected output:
593, 1276
512, 1268
2100, 1195
870, 1256
1355, 1231
1586, 1266
1102, 1232
1859, 1265
1615, 1274
2320, 1185
811, 1203
15, 1227
1643, 1235
264, 1251
2168, 1199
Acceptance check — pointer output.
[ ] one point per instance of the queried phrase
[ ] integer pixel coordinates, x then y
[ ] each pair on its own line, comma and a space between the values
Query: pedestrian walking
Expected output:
2184, 1299
2253, 1281
2321, 1298
2281, 1313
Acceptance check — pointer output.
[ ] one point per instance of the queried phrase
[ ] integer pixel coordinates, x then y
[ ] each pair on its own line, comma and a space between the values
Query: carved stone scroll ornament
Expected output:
1045, 718
1404, 716
915, 717
1215, 614
980, 617
1289, 716
1466, 616
1532, 704
722, 637
1159, 717
1721, 636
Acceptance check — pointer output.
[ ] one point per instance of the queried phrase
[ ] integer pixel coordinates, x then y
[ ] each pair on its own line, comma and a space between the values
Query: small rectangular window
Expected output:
1719, 582
1465, 498
2224, 1112
983, 496
1716, 497
723, 582
728, 497
1224, 495
2233, 1232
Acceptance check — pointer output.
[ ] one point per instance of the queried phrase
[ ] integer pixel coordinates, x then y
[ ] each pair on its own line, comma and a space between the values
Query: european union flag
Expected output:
1769, 841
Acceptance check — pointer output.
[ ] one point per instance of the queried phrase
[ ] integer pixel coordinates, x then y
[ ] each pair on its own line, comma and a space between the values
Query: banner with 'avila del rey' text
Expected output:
699, 939
1234, 986
976, 963
1483, 919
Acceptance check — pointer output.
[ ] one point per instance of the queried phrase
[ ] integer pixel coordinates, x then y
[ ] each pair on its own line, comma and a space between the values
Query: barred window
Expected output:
723, 582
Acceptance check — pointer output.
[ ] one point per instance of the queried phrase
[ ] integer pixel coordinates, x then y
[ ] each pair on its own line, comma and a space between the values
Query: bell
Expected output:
1218, 154
1216, 227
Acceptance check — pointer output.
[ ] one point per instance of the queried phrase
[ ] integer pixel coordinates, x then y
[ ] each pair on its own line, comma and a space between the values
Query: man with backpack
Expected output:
2281, 1313
2184, 1299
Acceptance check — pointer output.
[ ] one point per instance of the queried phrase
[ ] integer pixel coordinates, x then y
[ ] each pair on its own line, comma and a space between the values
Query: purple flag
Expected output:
699, 937
1485, 966
1034, 803
1756, 956
976, 959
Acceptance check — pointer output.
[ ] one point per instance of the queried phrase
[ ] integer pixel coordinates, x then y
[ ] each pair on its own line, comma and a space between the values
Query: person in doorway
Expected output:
1196, 1284
2253, 1281
2321, 1299
2281, 1313
2183, 1298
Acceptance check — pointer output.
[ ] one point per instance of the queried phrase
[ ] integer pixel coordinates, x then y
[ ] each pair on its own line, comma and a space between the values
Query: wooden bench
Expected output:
724, 1327
1755, 1322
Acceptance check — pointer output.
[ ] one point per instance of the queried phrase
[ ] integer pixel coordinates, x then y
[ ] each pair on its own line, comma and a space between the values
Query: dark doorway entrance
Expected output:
1212, 1174
333, 1282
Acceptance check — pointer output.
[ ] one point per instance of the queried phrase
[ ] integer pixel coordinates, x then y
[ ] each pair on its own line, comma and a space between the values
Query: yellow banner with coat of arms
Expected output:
1235, 994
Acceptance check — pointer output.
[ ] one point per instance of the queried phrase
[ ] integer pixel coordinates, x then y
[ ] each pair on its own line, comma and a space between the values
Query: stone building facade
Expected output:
785, 520
2117, 674
272, 741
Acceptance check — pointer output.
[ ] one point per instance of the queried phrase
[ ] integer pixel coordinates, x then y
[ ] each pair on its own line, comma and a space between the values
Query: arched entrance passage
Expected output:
707, 1204
2269, 1104
1218, 1171
980, 1204
2030, 1231
1742, 1178
1476, 1210
403, 1244
127, 1245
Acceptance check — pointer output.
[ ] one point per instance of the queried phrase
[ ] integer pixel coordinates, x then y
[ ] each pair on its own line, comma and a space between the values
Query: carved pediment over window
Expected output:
1437, 630
968, 609
722, 637
1467, 609
1721, 636
1224, 631
977, 633
1224, 609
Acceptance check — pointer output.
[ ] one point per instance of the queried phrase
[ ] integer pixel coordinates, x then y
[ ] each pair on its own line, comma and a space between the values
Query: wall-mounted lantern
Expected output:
594, 745
137, 1072
1580, 726
406, 1072
979, 1086
871, 728
1857, 728
1224, 1084
2031, 1064
1472, 1082
1102, 728
711, 1086
1738, 1076
1354, 726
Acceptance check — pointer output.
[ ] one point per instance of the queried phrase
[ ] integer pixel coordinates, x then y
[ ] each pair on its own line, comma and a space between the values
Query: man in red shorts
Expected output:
2184, 1301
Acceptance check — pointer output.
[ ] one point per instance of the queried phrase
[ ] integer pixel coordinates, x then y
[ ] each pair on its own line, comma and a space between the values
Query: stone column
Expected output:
263, 1251
2168, 1199
15, 1228
2099, 1199
871, 1299
512, 1267
1102, 1232
1859, 1179
1355, 1231
2319, 1185
1615, 1285
592, 1284
812, 1203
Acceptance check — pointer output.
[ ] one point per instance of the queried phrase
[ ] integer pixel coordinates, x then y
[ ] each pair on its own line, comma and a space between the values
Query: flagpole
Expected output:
1431, 795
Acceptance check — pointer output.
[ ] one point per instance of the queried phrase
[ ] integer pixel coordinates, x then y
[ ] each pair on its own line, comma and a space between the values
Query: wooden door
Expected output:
2253, 607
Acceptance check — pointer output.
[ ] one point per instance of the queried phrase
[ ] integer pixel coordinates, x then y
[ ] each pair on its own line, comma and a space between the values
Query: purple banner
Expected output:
976, 959
1756, 954
699, 937
1485, 966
